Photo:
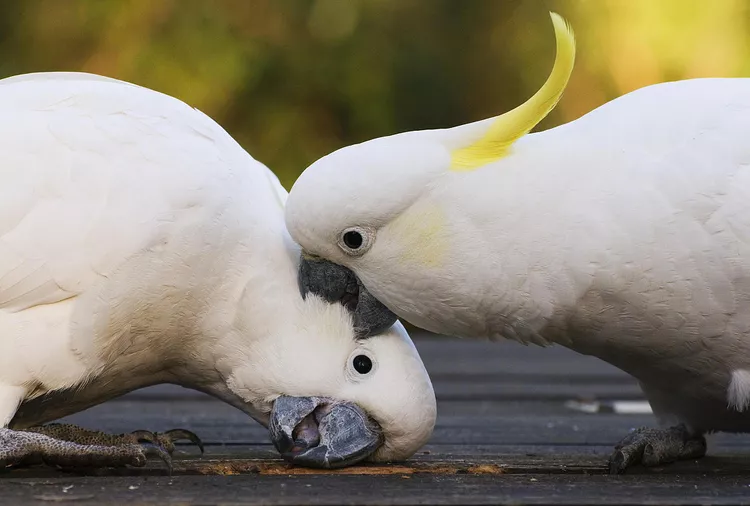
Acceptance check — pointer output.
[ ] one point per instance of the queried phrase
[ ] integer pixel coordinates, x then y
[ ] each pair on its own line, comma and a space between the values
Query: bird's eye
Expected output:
362, 364
353, 239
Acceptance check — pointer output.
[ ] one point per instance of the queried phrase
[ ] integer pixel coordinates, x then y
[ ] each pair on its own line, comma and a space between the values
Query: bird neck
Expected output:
248, 312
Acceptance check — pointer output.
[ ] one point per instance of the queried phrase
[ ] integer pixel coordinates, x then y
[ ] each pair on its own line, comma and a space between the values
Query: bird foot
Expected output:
653, 447
69, 446
166, 439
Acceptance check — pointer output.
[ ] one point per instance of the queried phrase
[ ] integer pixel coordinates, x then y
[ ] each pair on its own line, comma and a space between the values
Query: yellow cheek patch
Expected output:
420, 233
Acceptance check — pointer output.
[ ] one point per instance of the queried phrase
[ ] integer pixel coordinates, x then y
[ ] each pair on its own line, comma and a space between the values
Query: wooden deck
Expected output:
506, 434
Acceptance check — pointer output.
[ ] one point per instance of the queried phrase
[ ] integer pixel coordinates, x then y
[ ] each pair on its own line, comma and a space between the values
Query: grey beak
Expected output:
337, 284
319, 432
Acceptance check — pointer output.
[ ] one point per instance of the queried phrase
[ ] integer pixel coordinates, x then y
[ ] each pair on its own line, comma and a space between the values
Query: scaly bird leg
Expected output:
19, 448
75, 434
653, 447
69, 446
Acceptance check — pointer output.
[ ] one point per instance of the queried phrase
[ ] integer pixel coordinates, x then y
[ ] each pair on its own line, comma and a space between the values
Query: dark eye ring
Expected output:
353, 239
362, 364
356, 241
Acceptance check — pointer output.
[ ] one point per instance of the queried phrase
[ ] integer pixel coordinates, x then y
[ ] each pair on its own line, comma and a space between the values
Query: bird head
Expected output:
331, 399
378, 229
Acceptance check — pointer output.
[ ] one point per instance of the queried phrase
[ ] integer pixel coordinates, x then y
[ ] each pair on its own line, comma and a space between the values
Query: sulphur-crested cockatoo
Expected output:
624, 234
140, 244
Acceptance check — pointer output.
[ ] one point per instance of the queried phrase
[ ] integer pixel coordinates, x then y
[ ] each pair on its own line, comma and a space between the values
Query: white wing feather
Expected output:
108, 186
74, 148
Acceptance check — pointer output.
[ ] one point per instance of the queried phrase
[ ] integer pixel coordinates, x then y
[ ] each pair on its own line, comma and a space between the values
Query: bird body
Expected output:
103, 230
624, 234
140, 244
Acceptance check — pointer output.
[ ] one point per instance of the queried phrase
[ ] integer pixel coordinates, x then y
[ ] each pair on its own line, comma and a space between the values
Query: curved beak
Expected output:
335, 283
320, 432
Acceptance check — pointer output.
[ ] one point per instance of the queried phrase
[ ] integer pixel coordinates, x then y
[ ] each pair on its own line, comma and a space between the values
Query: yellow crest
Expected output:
511, 126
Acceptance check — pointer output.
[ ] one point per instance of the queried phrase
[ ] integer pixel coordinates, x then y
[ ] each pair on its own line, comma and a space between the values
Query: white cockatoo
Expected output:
624, 235
140, 244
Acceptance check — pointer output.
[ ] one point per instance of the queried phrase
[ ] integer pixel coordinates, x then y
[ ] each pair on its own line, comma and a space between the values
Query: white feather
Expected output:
140, 244
738, 393
624, 234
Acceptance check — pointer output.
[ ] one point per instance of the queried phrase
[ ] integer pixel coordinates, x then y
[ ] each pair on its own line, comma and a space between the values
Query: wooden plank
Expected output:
448, 355
397, 489
500, 390
219, 423
468, 424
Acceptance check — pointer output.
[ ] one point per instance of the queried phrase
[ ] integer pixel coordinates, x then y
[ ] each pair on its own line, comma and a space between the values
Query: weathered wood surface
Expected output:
504, 435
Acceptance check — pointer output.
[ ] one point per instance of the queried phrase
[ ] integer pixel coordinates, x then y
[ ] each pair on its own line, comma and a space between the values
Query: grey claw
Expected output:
617, 464
152, 450
185, 435
144, 436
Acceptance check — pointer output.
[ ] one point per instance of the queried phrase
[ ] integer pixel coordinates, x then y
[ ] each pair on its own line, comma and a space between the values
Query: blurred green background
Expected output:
292, 80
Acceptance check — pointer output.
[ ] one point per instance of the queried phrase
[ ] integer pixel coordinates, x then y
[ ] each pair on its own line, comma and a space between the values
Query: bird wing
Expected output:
94, 170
